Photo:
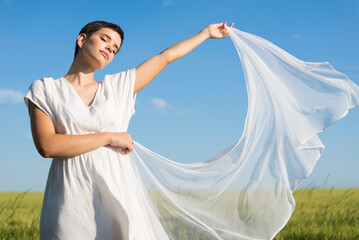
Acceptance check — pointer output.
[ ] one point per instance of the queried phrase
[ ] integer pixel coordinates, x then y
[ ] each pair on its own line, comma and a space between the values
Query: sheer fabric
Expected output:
245, 192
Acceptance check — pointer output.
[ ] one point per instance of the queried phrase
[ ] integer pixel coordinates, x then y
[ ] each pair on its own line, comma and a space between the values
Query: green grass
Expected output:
319, 214
323, 214
20, 215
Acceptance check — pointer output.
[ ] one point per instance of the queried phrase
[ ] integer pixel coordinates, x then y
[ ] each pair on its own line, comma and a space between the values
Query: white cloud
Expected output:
166, 3
296, 36
160, 104
10, 96
183, 113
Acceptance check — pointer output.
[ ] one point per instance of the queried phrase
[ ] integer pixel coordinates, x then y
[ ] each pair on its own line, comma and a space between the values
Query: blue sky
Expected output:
197, 106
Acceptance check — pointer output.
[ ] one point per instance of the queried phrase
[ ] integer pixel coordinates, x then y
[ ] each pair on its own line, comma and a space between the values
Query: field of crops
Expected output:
319, 214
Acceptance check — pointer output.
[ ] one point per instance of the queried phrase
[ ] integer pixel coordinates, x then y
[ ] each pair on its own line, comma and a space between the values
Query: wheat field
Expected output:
319, 214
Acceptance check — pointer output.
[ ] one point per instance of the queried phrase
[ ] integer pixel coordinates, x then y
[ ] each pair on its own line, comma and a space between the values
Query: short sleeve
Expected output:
39, 97
123, 84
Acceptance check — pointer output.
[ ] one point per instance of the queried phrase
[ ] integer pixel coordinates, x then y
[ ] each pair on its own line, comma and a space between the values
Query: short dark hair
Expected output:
94, 26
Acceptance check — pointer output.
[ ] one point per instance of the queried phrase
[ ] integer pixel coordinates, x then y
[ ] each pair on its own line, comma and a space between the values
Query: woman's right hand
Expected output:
121, 140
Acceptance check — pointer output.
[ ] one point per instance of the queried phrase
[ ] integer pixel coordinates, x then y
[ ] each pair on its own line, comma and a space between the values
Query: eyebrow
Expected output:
110, 39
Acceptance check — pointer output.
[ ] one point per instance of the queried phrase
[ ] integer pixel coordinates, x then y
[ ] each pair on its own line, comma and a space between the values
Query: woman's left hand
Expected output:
217, 30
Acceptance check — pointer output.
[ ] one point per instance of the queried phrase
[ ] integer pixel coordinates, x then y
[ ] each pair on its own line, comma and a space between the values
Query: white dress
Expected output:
94, 195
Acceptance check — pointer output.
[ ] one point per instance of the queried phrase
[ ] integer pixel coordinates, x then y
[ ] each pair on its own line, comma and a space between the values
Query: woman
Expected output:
81, 124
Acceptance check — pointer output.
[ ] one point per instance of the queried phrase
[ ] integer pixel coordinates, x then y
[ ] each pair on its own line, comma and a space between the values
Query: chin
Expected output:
102, 66
98, 63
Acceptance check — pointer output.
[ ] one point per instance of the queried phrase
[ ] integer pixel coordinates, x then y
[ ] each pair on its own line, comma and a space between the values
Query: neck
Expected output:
80, 73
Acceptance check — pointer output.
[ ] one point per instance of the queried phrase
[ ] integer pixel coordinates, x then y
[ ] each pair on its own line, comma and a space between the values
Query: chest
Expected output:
105, 113
86, 94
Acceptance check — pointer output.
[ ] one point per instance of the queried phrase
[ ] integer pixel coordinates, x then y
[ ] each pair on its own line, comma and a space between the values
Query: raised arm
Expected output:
149, 69
50, 144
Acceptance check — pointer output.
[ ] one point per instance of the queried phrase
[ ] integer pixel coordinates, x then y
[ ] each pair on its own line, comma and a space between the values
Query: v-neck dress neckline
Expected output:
78, 96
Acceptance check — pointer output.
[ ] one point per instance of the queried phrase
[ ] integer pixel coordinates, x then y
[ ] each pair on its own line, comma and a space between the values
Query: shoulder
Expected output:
41, 94
121, 83
41, 84
127, 74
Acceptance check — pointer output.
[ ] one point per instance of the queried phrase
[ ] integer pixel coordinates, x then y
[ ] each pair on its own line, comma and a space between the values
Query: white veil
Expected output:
245, 192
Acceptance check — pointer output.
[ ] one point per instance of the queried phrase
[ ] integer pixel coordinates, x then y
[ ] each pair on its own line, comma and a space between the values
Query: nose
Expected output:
109, 48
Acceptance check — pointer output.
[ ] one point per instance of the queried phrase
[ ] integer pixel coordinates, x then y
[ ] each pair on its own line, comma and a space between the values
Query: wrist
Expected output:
205, 32
107, 137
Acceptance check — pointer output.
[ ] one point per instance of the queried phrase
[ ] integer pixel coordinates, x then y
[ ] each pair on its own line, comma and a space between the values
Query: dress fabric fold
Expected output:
243, 192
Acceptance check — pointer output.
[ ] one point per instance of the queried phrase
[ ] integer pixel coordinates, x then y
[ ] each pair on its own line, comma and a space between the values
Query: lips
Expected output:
104, 54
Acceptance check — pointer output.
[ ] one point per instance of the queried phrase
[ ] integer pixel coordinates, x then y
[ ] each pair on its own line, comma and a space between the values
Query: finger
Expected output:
123, 150
224, 26
215, 24
130, 148
218, 25
231, 25
126, 149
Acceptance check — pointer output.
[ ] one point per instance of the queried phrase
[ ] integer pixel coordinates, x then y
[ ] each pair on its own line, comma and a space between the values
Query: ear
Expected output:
81, 38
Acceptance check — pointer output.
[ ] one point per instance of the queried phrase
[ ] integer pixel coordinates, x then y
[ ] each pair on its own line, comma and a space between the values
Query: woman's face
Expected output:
99, 49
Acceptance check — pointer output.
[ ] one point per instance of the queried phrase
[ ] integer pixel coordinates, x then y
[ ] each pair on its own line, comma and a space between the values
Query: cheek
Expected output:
94, 45
88, 47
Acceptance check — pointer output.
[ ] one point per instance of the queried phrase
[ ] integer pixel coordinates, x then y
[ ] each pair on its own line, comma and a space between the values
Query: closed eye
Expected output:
103, 39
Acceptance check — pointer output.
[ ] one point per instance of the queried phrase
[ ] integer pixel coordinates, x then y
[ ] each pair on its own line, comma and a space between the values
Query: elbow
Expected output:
45, 154
167, 57
44, 151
